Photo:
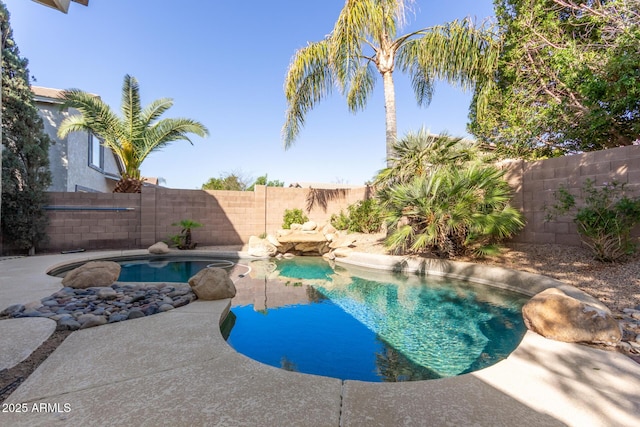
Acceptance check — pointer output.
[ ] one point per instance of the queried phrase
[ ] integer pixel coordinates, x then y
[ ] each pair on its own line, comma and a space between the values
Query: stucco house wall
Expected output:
69, 158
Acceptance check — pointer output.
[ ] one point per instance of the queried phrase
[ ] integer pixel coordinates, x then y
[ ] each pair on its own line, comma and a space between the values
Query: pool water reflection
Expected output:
305, 315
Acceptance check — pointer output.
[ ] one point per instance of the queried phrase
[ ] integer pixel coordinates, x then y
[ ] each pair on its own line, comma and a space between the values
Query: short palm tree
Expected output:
364, 39
184, 240
419, 153
131, 137
451, 211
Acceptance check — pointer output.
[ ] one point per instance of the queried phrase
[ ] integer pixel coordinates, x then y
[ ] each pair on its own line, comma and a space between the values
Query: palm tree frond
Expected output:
457, 52
165, 131
422, 87
361, 87
131, 106
351, 28
132, 137
153, 111
96, 114
71, 124
308, 80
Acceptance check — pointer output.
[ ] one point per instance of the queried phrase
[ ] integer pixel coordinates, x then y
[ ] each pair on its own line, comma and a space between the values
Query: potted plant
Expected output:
184, 239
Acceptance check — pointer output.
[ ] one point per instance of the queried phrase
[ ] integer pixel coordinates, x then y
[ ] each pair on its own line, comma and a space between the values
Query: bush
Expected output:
606, 219
293, 216
364, 217
340, 221
452, 211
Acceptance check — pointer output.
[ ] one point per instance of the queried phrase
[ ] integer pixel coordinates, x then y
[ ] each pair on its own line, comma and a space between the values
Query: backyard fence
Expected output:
126, 221
535, 183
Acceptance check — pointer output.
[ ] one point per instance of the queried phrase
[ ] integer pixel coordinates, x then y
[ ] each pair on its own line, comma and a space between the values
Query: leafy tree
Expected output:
263, 180
364, 216
131, 137
567, 78
25, 155
365, 40
233, 181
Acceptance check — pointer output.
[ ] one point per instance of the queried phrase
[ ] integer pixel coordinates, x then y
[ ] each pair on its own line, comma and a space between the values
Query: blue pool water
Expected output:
165, 269
305, 316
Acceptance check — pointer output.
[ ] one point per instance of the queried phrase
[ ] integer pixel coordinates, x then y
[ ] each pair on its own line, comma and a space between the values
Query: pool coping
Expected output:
543, 382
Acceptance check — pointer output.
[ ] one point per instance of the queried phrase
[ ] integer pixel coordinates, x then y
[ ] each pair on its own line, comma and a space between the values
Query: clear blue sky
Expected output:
224, 63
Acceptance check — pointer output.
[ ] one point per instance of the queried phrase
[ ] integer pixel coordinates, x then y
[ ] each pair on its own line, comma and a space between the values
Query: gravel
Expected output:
617, 285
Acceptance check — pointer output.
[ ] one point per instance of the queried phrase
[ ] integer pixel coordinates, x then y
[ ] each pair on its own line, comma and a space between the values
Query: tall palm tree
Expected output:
364, 40
131, 137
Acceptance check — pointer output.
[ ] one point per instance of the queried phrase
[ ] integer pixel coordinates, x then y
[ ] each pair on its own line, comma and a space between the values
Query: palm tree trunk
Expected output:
128, 185
390, 112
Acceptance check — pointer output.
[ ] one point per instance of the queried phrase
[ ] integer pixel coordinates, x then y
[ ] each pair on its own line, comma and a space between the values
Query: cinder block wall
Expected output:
125, 221
317, 204
93, 221
534, 184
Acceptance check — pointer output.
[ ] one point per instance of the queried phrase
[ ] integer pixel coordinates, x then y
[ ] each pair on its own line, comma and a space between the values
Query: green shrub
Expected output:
340, 221
364, 217
451, 211
606, 219
293, 216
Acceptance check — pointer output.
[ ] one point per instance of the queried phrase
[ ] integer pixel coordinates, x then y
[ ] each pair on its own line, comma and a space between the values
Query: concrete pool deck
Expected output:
175, 368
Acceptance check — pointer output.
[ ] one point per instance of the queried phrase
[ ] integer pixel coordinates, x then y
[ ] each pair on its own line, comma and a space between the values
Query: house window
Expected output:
96, 153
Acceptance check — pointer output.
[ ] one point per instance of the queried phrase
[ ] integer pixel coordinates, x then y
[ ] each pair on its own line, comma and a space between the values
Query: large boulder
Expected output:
312, 248
328, 229
556, 315
342, 252
93, 273
261, 247
309, 226
159, 248
342, 242
212, 284
301, 237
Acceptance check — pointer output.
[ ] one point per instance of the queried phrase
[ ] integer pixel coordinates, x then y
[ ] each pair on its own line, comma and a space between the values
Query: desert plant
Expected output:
421, 153
364, 216
604, 221
293, 216
184, 239
452, 211
340, 221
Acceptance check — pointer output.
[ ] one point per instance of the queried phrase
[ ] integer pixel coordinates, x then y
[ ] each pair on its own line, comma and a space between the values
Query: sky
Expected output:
224, 63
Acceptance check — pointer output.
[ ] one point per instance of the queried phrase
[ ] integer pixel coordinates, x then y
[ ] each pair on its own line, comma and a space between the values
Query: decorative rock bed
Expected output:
83, 308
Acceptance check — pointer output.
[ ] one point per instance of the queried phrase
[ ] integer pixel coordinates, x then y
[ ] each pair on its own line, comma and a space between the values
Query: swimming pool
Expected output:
157, 269
307, 316
174, 269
